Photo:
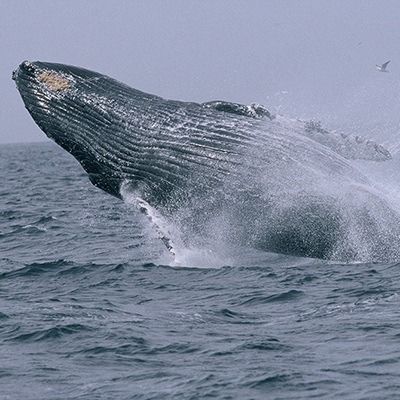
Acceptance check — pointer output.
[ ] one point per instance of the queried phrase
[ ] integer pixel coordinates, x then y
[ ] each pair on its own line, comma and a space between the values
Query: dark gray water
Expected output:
91, 306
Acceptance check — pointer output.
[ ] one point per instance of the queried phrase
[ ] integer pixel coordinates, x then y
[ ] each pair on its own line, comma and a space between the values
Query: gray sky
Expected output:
305, 58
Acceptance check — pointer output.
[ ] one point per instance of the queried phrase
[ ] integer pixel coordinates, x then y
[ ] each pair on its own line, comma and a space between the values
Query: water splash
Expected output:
180, 254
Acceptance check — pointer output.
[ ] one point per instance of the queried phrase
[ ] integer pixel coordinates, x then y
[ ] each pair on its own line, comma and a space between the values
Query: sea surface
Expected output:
93, 306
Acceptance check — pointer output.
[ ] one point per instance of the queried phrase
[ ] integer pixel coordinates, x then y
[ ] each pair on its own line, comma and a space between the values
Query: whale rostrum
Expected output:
222, 173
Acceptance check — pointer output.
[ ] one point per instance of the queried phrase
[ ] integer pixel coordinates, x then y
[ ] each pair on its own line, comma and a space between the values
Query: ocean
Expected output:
92, 305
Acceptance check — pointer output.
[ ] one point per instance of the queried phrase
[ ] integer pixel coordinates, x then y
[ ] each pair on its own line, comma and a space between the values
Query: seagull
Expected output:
382, 67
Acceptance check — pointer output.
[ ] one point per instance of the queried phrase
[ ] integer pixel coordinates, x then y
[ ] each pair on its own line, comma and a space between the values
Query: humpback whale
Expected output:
219, 172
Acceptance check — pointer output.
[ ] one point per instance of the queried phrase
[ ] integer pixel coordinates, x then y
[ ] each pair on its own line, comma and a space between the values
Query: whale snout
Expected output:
25, 66
70, 105
40, 76
23, 74
45, 89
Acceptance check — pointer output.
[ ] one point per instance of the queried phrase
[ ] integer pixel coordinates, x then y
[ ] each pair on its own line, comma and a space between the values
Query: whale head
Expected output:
67, 105
103, 123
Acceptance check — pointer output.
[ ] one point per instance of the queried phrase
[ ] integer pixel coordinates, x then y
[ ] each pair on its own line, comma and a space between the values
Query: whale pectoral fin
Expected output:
253, 110
348, 146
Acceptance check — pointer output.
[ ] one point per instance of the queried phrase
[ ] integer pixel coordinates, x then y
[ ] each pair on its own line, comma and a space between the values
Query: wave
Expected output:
52, 333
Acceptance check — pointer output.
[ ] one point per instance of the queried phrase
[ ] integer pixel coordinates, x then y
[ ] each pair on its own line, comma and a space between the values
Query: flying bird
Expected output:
382, 67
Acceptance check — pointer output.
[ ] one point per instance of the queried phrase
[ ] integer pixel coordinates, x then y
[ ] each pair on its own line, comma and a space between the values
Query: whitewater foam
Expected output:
169, 234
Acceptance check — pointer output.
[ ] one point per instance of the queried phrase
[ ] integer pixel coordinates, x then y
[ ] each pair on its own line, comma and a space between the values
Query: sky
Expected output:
307, 59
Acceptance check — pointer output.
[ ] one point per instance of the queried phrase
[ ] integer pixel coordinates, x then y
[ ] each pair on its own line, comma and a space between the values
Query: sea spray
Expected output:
180, 254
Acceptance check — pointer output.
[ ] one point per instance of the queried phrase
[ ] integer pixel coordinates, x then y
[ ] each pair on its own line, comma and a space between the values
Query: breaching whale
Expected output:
220, 172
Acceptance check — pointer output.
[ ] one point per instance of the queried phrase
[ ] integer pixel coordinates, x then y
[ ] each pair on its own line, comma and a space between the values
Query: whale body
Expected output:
220, 172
